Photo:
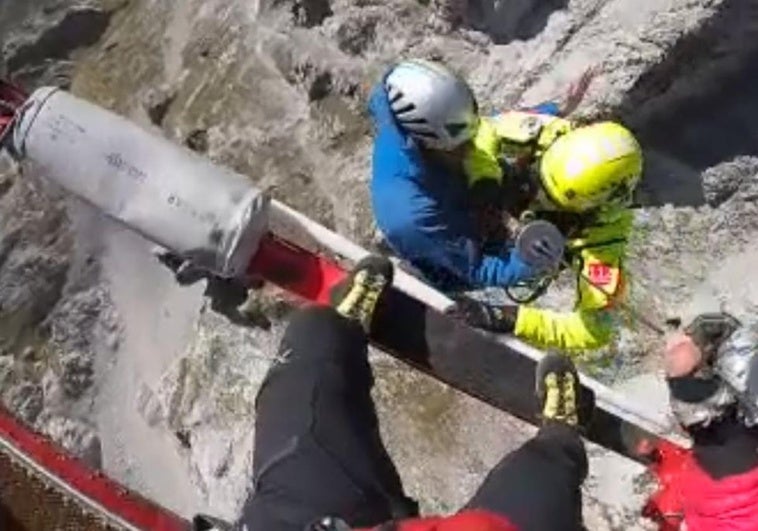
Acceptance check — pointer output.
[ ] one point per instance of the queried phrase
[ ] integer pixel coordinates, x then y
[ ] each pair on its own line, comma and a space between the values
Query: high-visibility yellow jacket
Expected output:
596, 244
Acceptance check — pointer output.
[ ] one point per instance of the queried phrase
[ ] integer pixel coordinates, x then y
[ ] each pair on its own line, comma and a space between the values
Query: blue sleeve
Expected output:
428, 225
505, 269
433, 249
421, 233
379, 107
548, 107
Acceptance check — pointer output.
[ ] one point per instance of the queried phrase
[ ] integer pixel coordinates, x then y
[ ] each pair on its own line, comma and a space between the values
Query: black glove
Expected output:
204, 522
184, 272
500, 319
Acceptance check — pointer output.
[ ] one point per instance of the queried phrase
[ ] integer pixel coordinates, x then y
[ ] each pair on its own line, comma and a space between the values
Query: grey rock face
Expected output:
75, 436
34, 247
722, 182
276, 89
76, 374
26, 400
40, 42
7, 372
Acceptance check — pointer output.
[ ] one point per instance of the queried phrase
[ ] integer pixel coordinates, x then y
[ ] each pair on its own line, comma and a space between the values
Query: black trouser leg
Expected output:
317, 446
538, 487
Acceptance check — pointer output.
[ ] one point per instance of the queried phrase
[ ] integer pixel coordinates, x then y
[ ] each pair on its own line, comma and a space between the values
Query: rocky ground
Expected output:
100, 348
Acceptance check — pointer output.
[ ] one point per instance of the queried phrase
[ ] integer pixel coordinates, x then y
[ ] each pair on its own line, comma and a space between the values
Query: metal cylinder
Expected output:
172, 196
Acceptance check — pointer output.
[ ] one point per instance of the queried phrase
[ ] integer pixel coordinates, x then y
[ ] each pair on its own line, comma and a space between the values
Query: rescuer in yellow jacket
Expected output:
581, 179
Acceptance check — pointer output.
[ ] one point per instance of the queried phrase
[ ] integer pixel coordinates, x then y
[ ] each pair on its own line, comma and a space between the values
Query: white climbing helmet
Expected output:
432, 104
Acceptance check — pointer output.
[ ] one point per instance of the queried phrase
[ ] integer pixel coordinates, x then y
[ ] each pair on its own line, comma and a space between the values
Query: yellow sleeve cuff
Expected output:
568, 331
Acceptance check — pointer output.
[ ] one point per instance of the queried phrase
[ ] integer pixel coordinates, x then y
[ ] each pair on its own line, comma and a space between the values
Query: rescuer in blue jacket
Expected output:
425, 118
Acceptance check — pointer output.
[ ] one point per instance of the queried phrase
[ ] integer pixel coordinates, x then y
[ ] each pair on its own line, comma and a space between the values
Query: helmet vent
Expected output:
426, 134
410, 107
455, 129
395, 95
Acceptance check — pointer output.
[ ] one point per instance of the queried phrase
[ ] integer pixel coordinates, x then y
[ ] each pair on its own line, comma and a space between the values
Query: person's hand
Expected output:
577, 90
681, 356
500, 319
185, 273
204, 522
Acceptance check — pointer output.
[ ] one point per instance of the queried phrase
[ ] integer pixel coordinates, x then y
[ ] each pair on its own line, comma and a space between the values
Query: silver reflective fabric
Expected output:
737, 365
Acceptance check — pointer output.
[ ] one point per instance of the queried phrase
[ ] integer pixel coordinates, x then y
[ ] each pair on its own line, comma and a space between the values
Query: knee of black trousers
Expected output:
319, 332
564, 442
315, 338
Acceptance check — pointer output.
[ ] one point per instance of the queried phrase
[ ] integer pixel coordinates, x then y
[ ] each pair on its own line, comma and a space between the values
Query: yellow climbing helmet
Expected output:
591, 166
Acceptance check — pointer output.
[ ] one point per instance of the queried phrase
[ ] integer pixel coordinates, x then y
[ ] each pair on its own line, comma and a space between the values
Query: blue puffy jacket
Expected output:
422, 210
